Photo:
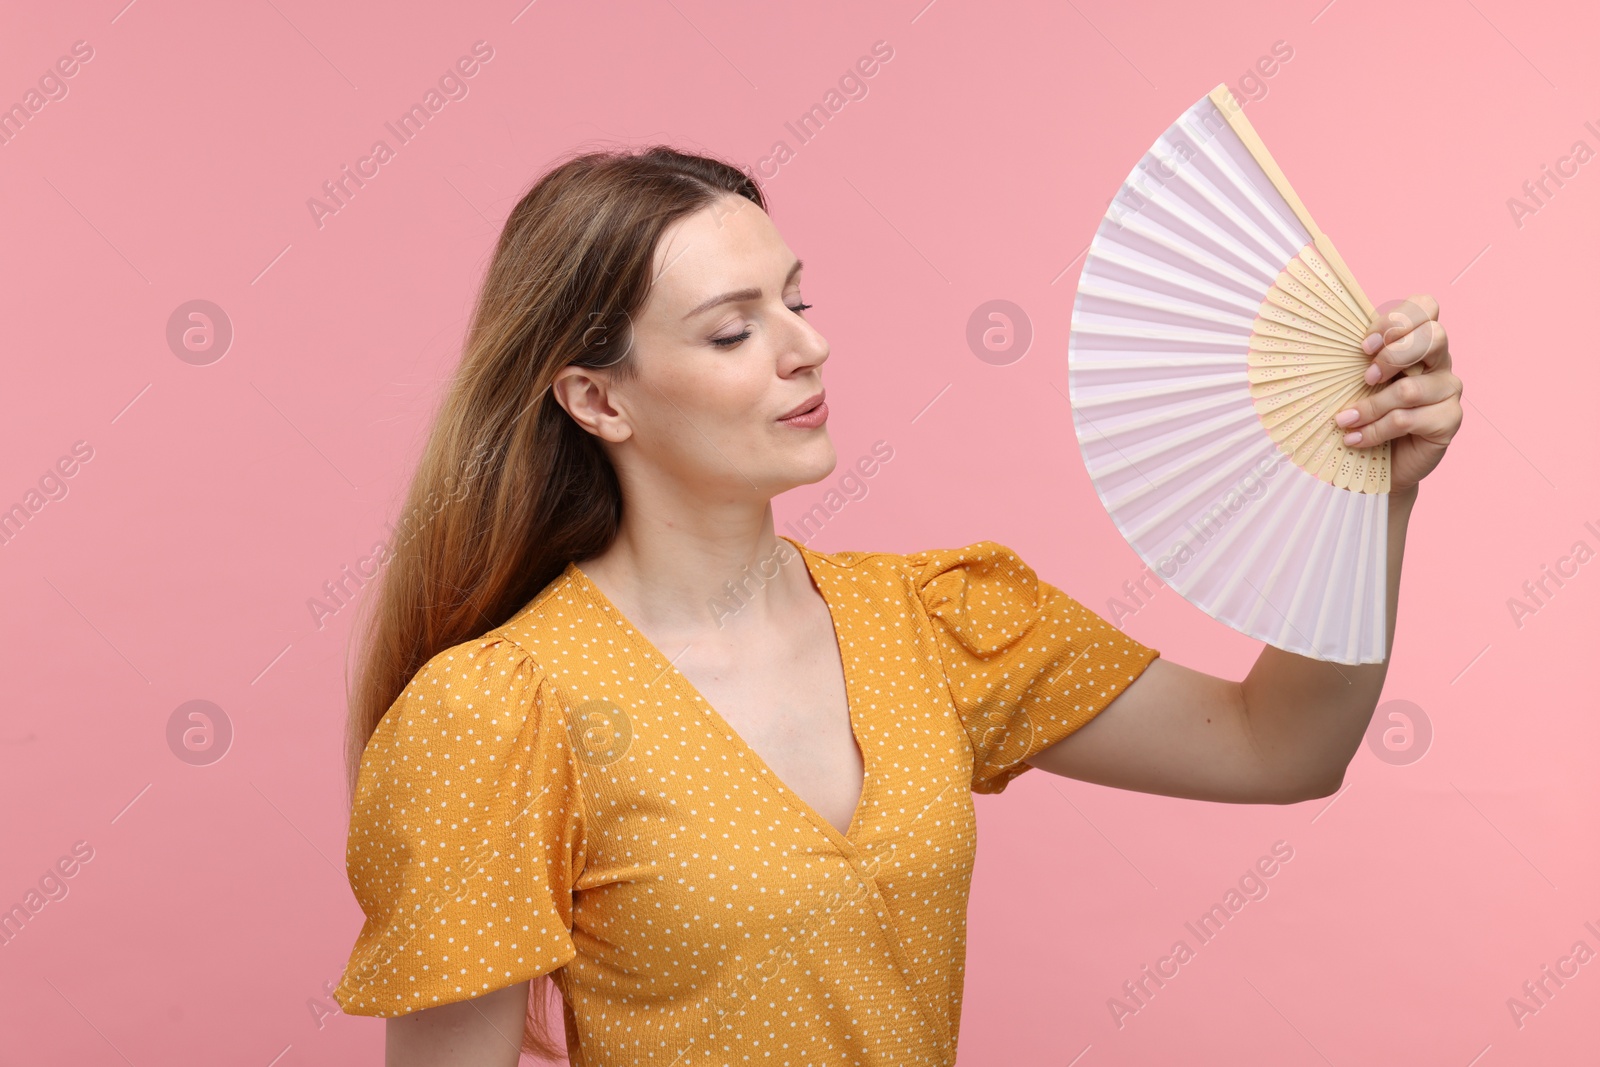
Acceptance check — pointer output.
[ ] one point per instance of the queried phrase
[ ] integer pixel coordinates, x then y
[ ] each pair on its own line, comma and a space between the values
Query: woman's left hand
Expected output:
1418, 413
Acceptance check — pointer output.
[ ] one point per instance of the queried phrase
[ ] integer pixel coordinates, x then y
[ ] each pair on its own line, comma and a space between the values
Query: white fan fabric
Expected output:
1159, 378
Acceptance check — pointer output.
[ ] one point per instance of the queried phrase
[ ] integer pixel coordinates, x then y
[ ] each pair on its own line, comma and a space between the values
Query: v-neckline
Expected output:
846, 840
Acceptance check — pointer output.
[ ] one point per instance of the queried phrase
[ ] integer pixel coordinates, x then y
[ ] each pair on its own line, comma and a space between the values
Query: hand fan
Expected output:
1215, 334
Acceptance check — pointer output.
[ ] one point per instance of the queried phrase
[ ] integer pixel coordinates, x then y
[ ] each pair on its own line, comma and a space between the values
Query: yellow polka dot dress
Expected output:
554, 796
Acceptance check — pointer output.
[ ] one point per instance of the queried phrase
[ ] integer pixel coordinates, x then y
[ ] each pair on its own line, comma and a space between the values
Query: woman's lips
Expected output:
805, 405
810, 420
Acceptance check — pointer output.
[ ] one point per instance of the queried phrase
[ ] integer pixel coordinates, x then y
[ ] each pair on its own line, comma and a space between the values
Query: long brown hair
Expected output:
509, 488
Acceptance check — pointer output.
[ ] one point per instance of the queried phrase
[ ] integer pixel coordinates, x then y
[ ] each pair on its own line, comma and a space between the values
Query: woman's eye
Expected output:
729, 342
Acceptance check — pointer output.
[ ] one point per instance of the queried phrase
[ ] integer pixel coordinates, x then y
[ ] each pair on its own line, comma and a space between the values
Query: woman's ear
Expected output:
585, 393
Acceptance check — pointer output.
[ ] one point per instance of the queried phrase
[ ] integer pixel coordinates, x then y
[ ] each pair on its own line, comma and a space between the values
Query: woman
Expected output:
613, 730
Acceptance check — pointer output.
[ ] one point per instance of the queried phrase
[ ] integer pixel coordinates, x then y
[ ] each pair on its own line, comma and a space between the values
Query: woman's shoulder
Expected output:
920, 566
480, 687
473, 713
978, 588
512, 670
490, 661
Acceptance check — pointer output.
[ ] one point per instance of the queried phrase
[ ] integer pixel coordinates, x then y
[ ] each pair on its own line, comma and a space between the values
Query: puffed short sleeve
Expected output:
1026, 663
465, 835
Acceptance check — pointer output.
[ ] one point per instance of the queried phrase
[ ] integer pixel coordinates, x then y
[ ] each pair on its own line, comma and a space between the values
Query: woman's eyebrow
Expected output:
741, 294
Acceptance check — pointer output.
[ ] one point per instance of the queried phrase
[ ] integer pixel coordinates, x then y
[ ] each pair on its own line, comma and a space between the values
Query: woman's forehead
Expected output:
713, 251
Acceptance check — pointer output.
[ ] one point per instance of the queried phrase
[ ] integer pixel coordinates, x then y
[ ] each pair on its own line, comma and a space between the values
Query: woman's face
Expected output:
721, 356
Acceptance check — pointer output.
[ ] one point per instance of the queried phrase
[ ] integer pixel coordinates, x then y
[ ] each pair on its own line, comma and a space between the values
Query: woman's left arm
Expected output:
1287, 732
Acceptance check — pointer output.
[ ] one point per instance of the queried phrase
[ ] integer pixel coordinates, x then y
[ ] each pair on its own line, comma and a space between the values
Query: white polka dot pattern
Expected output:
466, 814
556, 797
1026, 663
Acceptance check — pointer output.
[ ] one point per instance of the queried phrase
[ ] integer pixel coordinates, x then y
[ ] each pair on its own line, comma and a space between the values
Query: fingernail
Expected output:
1373, 342
1352, 438
1346, 417
1374, 372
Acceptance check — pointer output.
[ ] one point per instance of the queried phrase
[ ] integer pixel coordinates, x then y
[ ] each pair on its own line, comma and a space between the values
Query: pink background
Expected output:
219, 498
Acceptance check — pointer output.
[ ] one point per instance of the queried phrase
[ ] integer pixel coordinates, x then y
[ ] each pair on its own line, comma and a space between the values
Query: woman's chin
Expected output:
821, 458
805, 466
